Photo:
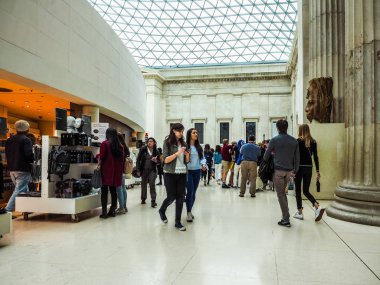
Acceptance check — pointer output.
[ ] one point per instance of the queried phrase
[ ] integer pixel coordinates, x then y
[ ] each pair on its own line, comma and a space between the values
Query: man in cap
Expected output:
19, 153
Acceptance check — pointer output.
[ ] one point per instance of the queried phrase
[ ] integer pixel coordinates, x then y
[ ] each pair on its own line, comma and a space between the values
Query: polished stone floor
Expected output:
233, 240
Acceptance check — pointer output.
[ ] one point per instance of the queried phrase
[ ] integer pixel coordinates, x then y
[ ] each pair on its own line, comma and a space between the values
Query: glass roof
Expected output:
181, 33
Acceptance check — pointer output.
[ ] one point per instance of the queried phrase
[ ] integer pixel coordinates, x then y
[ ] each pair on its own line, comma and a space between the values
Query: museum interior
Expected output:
81, 80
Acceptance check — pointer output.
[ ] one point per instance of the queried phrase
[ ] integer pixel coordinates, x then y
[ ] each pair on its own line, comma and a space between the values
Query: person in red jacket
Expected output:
111, 168
226, 161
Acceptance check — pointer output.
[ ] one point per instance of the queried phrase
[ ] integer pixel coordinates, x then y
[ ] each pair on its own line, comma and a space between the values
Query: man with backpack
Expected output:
19, 153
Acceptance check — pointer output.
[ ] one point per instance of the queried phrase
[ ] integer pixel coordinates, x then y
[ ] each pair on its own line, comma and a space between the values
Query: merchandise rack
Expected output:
48, 203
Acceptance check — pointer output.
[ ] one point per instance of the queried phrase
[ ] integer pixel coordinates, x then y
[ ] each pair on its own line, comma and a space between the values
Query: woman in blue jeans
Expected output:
195, 166
122, 190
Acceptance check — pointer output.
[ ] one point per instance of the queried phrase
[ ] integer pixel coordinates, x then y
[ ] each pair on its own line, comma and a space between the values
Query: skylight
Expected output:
167, 33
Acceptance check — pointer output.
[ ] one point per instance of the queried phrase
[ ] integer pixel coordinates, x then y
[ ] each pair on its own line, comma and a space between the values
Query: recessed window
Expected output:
200, 129
250, 130
274, 129
224, 132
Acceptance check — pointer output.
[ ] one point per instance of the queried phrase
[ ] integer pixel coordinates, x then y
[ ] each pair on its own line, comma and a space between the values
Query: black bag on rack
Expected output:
82, 187
59, 162
65, 188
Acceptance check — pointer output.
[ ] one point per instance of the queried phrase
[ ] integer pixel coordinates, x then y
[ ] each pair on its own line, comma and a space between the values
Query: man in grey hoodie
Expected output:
286, 159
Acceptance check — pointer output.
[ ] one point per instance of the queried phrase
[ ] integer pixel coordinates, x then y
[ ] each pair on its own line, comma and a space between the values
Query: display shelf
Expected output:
48, 203
5, 224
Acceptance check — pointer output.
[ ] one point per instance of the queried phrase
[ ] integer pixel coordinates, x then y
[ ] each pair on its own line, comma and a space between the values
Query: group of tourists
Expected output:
183, 162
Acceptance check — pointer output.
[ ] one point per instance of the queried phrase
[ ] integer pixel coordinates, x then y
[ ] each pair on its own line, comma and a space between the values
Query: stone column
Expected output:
357, 199
236, 125
326, 48
303, 59
154, 107
210, 128
186, 115
92, 111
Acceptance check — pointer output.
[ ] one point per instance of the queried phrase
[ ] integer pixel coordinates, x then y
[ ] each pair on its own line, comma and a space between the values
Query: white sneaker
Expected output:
189, 217
299, 216
318, 214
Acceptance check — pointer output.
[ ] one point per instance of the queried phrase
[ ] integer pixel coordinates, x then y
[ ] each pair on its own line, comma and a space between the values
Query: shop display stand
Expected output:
48, 203
5, 224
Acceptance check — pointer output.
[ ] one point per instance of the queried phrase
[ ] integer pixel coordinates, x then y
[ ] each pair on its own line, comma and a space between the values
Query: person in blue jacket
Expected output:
218, 163
195, 166
237, 172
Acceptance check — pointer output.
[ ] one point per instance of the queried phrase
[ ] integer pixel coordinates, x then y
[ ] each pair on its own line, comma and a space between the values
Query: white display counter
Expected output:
48, 203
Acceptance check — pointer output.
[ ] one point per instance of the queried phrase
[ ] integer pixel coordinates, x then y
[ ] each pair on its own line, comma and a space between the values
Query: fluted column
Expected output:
326, 48
236, 125
357, 199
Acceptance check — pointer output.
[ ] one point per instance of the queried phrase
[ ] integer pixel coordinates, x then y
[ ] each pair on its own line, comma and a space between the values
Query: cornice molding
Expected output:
155, 76
175, 120
226, 78
199, 120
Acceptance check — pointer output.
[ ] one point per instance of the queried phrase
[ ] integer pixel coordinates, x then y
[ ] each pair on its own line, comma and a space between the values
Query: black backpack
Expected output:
59, 162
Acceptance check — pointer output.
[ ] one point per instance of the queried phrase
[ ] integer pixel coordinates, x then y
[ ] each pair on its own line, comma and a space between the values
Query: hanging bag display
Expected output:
96, 180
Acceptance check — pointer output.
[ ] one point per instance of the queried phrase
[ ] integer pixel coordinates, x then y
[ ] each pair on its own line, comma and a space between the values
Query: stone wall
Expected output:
234, 95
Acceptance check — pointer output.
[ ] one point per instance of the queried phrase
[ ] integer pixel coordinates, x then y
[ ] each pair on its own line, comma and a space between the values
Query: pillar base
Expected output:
354, 211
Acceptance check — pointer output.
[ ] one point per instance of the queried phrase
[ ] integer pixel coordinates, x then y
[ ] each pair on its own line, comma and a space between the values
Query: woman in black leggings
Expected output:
175, 156
308, 149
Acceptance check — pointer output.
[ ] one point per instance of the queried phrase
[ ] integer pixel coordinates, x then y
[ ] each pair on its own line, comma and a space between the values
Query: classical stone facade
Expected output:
241, 97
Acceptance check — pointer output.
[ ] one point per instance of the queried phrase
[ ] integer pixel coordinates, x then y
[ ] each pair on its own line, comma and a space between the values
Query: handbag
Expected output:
136, 173
128, 166
96, 180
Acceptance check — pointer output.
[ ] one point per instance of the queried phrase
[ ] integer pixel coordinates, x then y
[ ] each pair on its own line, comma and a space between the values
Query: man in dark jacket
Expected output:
19, 153
286, 162
146, 163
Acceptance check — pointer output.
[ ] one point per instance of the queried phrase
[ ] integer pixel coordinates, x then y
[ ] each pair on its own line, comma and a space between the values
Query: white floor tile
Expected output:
232, 240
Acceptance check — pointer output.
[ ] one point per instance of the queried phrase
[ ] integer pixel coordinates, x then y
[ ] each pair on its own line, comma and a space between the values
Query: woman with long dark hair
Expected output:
308, 150
175, 157
146, 163
111, 168
122, 190
196, 165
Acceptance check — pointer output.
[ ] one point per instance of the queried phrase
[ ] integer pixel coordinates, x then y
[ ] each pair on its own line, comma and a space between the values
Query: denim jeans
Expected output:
20, 179
193, 177
122, 194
